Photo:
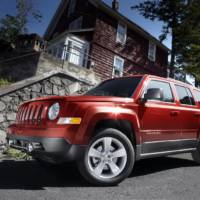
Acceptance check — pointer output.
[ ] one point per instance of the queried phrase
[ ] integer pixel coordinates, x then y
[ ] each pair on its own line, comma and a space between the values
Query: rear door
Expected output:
189, 112
160, 120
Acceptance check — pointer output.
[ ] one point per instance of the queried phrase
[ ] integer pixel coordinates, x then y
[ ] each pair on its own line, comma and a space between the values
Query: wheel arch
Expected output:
122, 125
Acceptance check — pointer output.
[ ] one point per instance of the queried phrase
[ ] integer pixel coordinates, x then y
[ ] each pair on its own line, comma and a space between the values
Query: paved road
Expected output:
171, 178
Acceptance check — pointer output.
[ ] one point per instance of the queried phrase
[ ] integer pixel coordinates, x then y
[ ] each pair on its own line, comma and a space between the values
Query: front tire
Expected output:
109, 158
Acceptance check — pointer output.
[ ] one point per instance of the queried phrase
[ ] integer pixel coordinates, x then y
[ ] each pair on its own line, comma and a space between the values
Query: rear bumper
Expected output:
47, 149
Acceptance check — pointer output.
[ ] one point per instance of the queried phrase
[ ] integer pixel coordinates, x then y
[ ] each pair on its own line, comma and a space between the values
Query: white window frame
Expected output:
114, 66
125, 33
152, 51
84, 54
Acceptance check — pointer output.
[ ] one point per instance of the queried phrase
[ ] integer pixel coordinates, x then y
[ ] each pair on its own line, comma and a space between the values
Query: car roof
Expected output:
160, 78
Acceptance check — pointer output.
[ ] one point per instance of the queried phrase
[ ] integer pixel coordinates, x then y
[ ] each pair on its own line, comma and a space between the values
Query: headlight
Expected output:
54, 111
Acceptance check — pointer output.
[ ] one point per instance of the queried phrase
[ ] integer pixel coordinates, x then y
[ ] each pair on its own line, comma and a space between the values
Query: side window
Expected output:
185, 96
165, 88
197, 94
190, 96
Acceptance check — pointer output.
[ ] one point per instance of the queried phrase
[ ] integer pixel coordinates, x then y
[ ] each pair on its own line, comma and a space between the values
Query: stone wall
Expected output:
54, 83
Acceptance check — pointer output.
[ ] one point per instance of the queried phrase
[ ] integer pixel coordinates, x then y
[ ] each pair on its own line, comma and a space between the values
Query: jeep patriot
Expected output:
109, 128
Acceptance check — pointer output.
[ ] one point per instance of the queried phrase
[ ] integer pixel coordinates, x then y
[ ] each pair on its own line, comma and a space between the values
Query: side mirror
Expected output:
153, 94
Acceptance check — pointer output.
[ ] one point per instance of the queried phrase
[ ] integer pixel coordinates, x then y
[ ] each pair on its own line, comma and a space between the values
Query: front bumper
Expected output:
48, 149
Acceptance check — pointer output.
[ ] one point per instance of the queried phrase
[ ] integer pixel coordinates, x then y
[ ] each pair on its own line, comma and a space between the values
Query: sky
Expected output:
48, 8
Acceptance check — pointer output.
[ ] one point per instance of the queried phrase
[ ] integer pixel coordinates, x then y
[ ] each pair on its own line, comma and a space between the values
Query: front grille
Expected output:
30, 114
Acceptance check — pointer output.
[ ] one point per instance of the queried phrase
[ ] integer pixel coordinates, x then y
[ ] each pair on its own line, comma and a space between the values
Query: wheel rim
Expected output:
107, 158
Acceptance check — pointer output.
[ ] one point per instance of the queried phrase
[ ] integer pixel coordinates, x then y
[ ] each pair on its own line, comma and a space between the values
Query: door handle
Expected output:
175, 113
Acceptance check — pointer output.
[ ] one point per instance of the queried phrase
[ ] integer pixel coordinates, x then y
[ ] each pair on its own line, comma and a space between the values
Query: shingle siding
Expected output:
134, 51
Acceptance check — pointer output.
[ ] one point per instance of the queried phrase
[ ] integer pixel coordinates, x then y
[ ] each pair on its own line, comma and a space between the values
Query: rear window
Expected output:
122, 87
185, 95
197, 94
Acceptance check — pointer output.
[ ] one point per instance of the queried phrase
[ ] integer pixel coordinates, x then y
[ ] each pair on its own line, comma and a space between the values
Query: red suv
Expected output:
110, 127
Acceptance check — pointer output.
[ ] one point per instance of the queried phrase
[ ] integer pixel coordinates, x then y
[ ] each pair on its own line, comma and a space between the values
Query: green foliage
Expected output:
4, 82
181, 21
9, 28
19, 155
189, 47
13, 25
170, 12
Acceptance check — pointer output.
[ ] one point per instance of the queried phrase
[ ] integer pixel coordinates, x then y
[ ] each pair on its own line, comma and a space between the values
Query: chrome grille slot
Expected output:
21, 114
34, 114
39, 116
29, 114
24, 113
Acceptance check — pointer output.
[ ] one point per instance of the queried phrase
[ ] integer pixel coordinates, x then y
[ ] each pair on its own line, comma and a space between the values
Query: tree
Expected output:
13, 25
189, 36
172, 14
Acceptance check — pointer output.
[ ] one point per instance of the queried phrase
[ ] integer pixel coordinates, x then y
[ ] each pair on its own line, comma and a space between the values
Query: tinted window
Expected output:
165, 88
197, 93
185, 96
122, 87
190, 96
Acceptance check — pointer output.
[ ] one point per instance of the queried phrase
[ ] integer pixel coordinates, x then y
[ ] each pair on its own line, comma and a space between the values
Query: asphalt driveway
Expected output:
176, 177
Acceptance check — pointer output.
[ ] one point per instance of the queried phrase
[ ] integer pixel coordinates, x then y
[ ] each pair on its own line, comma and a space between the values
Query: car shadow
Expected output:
154, 165
29, 175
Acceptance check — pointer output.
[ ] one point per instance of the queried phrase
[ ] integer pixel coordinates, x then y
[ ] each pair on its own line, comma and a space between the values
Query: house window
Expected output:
152, 52
121, 33
60, 50
118, 66
55, 50
72, 7
76, 24
76, 52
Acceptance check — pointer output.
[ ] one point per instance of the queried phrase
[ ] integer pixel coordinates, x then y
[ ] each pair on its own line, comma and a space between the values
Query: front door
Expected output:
160, 120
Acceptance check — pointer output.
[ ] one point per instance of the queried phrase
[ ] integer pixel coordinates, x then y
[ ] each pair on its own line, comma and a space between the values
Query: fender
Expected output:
96, 114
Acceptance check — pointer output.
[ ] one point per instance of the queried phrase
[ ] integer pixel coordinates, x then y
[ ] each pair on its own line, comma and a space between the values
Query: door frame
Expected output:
169, 145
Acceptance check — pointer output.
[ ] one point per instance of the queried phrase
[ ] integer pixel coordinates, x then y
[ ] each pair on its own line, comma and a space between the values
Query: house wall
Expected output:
134, 51
83, 8
103, 45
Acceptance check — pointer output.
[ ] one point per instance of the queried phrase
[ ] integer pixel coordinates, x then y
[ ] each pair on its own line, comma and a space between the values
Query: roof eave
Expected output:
55, 18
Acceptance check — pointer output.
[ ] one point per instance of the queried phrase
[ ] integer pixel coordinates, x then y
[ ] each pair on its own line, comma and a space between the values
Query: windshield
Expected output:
121, 87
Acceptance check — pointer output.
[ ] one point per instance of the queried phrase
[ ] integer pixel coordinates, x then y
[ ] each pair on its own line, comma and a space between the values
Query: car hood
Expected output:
84, 99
